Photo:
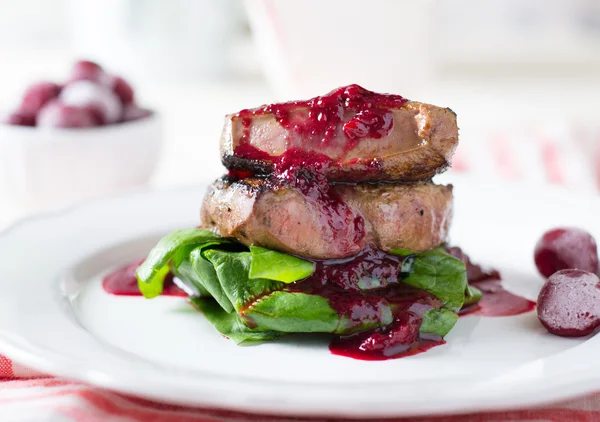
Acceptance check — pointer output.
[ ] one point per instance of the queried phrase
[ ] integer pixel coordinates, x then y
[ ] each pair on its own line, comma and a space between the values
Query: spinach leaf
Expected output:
438, 273
402, 252
250, 298
231, 324
232, 271
438, 321
294, 312
191, 285
197, 270
472, 295
183, 253
278, 266
151, 274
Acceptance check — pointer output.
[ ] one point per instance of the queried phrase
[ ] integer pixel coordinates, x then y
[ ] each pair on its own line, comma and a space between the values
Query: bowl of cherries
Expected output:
74, 140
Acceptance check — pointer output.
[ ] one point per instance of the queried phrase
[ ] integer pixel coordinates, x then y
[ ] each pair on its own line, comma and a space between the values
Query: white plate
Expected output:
55, 317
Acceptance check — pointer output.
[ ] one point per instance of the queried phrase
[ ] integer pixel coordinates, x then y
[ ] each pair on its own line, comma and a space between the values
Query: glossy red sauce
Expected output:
496, 300
369, 270
320, 119
358, 288
354, 347
374, 124
239, 174
122, 282
299, 158
250, 152
400, 338
317, 121
305, 171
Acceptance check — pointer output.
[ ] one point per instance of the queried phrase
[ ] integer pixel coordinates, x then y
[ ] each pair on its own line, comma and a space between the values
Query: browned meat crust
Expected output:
412, 216
420, 145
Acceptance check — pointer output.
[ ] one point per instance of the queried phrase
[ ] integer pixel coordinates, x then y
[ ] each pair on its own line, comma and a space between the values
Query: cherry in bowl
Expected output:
37, 96
18, 118
85, 70
88, 94
59, 115
90, 97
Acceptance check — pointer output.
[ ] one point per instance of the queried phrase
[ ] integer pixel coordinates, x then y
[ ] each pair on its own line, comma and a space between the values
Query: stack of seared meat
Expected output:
332, 176
327, 222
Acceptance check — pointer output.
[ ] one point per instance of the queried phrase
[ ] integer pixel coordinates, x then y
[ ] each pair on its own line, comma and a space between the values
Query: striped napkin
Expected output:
568, 155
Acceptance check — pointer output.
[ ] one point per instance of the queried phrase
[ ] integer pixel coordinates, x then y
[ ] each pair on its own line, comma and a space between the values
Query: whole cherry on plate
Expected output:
566, 248
569, 303
56, 114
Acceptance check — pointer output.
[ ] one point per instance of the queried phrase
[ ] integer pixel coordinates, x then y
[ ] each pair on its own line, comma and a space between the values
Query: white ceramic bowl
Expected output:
43, 168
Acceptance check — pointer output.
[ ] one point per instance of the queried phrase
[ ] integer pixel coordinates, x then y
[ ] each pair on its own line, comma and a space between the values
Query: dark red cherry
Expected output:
18, 118
88, 94
122, 89
569, 303
89, 71
566, 248
38, 95
58, 115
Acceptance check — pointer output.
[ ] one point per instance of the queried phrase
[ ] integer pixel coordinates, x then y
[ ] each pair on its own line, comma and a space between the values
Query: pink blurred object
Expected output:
58, 115
134, 112
89, 71
85, 93
38, 95
122, 89
18, 118
91, 97
559, 153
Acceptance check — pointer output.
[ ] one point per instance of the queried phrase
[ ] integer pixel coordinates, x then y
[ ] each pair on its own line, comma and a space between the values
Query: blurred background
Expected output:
522, 75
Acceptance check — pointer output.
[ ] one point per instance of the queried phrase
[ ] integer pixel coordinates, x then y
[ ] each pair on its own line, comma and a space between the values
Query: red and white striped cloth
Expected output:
54, 400
562, 154
566, 156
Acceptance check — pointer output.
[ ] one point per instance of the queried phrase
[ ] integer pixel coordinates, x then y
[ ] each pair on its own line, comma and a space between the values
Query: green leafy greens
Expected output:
248, 294
472, 295
438, 321
438, 273
151, 274
278, 266
231, 324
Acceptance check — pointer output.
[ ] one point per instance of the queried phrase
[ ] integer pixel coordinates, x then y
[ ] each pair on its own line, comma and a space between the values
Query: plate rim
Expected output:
100, 379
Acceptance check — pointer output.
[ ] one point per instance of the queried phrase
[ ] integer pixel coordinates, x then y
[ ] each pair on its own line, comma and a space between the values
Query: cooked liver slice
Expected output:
412, 216
367, 136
